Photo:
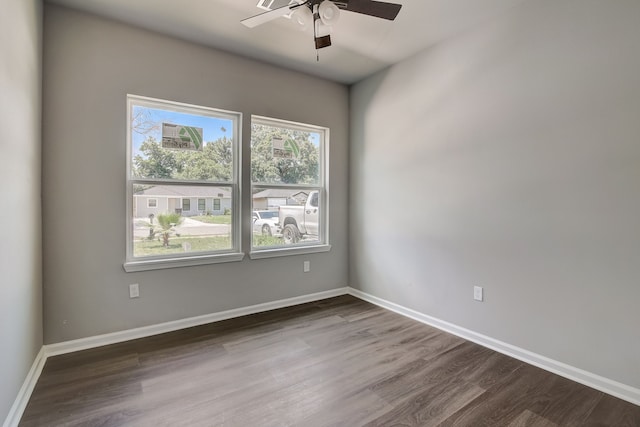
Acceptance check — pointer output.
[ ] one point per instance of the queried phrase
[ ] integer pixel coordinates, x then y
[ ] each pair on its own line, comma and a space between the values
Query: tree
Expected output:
167, 222
215, 161
155, 162
142, 122
302, 169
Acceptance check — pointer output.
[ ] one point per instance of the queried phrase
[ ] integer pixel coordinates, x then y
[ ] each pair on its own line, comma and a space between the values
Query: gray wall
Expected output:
90, 64
514, 150
20, 242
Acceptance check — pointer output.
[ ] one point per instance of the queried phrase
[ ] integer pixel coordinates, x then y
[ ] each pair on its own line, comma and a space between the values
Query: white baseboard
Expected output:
606, 385
19, 405
15, 413
161, 328
597, 382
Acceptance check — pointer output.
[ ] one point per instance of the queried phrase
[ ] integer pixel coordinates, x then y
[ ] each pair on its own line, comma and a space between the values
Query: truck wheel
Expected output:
290, 234
266, 230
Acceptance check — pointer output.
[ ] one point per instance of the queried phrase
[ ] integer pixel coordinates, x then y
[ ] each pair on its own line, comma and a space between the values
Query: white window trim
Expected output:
301, 248
289, 251
132, 263
156, 264
149, 204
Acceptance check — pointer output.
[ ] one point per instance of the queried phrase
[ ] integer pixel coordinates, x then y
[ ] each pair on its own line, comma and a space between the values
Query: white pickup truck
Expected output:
300, 222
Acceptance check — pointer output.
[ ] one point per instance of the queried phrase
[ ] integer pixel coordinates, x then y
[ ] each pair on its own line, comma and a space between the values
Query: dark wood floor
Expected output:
337, 362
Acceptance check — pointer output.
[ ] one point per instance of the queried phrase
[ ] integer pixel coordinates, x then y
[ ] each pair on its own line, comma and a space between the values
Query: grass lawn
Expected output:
262, 240
195, 244
213, 219
179, 245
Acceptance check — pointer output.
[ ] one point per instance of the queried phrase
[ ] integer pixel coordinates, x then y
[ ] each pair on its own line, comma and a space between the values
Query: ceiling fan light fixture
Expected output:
329, 12
320, 28
303, 18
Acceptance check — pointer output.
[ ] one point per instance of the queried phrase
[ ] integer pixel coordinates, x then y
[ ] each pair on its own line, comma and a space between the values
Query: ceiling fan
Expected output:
322, 14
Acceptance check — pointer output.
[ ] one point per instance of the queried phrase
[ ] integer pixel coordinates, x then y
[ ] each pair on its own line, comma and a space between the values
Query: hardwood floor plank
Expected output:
431, 405
529, 419
85, 372
427, 392
306, 328
567, 403
336, 362
613, 412
503, 403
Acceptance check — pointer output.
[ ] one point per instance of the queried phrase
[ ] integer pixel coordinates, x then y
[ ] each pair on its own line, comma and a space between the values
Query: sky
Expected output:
212, 127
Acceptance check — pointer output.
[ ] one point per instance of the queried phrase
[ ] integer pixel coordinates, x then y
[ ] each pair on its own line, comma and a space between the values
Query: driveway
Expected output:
189, 227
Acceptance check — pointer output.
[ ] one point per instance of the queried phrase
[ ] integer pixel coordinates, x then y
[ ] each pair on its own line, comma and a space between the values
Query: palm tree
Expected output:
167, 222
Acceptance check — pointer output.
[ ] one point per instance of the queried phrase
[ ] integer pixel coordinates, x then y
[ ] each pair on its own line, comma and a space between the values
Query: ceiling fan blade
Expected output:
261, 18
372, 8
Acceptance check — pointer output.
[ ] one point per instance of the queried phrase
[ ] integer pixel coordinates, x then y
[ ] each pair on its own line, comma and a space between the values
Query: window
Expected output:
202, 205
289, 187
175, 153
216, 204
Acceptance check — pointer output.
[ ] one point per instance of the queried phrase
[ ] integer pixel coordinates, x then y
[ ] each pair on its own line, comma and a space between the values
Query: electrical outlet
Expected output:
134, 290
306, 266
478, 293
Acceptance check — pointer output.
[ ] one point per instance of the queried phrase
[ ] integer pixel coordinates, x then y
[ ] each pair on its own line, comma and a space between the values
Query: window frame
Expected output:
235, 253
323, 244
155, 203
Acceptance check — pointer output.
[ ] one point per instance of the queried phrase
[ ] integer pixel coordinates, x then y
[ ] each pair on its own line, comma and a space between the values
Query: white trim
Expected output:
160, 263
161, 328
606, 385
19, 405
288, 251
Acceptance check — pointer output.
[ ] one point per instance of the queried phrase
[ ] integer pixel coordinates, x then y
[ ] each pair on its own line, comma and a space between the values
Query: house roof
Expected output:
186, 191
279, 193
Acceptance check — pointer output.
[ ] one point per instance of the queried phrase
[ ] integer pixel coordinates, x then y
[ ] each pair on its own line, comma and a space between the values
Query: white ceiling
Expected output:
361, 46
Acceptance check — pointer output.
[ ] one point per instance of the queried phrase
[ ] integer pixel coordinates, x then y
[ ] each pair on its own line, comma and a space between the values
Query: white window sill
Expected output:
296, 250
157, 264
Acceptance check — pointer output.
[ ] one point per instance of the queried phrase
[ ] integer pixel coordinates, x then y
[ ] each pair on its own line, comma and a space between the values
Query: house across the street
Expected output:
275, 197
190, 200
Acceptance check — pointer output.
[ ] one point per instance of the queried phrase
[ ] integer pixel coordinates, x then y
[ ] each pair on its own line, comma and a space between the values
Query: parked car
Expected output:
300, 222
266, 223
